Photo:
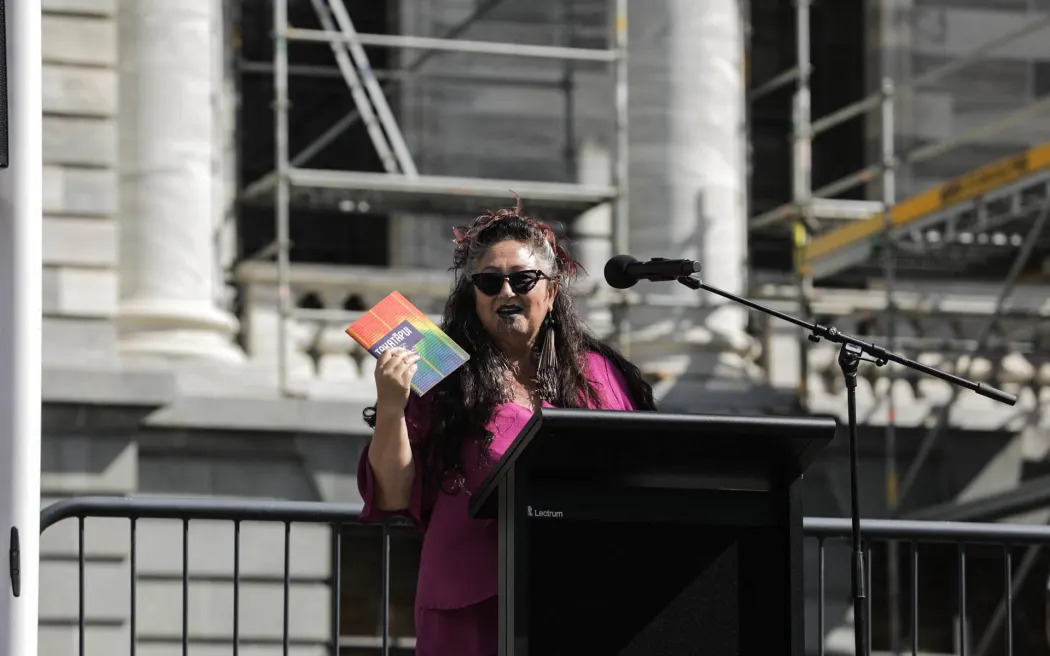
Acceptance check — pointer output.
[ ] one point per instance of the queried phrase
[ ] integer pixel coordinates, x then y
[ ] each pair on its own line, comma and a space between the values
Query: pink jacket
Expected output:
458, 565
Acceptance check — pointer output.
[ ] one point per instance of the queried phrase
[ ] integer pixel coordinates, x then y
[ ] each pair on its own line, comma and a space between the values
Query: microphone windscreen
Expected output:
616, 272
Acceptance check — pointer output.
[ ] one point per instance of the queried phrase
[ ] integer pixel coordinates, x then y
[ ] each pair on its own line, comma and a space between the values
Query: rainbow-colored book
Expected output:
394, 321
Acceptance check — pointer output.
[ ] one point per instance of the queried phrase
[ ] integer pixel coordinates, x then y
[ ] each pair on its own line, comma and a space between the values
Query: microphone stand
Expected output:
851, 352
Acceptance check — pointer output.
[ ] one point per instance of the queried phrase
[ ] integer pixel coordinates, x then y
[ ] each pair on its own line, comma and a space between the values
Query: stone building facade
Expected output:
160, 346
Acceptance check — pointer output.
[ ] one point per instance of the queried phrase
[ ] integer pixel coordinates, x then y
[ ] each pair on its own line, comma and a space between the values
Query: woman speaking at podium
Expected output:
510, 310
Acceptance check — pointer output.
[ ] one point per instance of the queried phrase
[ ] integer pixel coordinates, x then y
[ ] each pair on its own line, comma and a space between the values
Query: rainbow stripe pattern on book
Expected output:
394, 321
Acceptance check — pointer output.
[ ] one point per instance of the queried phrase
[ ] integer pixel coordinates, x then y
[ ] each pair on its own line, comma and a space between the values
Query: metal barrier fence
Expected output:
234, 511
1001, 539
964, 536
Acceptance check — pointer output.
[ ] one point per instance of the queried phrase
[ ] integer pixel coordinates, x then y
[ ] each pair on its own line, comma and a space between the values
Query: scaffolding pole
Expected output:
455, 45
361, 97
921, 154
359, 74
889, 199
1007, 289
375, 93
283, 192
801, 209
345, 123
870, 102
933, 75
802, 181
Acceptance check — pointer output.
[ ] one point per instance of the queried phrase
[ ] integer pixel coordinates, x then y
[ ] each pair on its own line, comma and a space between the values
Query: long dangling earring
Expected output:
547, 369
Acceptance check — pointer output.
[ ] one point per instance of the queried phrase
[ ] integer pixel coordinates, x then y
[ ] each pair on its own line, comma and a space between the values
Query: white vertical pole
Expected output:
20, 326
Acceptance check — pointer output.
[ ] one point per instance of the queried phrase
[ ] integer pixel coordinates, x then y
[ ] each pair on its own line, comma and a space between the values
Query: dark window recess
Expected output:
837, 39
838, 80
317, 102
1041, 78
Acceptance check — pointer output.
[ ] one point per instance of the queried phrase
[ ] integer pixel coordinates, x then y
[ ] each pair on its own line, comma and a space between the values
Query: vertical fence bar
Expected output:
983, 645
893, 595
236, 586
914, 599
386, 590
133, 587
80, 583
871, 596
337, 577
287, 545
820, 598
185, 587
1009, 576
962, 600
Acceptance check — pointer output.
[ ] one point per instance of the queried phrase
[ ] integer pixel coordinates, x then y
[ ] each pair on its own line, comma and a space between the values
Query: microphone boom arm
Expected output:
851, 352
879, 355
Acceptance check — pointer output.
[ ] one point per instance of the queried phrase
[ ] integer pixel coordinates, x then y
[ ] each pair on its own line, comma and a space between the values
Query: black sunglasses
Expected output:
521, 282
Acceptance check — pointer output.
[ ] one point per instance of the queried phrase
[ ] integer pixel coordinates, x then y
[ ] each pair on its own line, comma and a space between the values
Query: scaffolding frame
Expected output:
402, 186
405, 185
808, 206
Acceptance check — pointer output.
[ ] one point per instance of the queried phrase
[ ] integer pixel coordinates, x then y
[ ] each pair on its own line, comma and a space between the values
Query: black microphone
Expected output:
624, 271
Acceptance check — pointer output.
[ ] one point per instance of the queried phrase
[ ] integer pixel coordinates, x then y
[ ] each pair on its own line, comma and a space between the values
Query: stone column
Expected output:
687, 168
593, 233
169, 134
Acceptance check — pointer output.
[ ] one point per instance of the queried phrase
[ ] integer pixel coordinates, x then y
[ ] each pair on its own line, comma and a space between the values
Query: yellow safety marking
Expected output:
963, 188
892, 490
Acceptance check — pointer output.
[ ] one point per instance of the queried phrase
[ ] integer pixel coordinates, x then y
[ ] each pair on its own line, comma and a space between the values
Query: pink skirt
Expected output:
469, 631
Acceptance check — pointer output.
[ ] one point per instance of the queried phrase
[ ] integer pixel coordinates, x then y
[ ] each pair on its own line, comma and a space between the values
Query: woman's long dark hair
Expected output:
465, 401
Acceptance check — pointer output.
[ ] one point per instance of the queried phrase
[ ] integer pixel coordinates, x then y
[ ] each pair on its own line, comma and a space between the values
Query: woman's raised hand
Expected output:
393, 375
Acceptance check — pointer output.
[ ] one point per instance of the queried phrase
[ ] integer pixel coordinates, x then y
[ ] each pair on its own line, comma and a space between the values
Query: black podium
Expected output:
634, 533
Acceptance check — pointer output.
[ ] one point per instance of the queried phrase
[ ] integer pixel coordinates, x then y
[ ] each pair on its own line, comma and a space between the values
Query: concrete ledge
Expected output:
81, 7
107, 387
173, 399
264, 415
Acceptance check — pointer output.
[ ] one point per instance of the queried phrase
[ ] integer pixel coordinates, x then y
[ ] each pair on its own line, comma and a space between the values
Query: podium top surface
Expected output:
661, 449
